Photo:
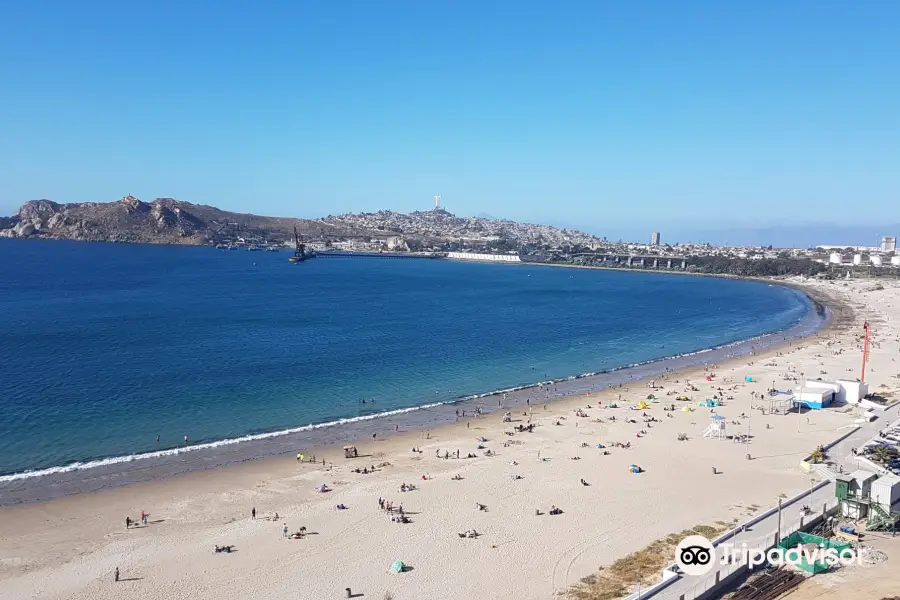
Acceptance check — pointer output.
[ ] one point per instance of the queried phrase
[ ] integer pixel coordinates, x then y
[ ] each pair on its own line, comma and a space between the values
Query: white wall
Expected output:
823, 385
513, 258
851, 391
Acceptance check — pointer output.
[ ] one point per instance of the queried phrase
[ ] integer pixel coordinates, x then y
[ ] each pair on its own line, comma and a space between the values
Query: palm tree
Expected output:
883, 454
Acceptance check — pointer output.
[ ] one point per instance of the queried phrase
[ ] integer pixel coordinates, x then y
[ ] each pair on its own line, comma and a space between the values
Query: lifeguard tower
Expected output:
716, 429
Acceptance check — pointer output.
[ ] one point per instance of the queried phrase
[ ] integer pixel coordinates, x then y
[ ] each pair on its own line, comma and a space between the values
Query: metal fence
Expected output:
689, 588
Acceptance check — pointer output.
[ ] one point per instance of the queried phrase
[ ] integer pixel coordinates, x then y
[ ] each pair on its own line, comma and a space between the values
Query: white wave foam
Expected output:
78, 466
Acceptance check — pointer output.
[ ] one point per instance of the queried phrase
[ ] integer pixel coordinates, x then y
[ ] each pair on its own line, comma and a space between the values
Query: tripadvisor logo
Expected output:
695, 555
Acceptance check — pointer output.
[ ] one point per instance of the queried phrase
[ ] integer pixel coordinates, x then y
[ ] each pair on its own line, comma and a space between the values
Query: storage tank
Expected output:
876, 260
895, 260
834, 258
857, 259
886, 491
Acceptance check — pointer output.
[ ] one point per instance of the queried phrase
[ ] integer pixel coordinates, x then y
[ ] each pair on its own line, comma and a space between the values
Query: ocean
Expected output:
104, 347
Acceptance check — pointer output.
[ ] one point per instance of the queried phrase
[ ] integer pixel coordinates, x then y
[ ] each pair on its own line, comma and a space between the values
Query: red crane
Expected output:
865, 359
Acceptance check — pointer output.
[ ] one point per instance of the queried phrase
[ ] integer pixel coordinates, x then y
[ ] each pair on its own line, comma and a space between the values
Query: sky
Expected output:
618, 118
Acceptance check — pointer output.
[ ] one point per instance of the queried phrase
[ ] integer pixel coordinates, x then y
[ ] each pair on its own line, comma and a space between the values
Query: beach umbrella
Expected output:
397, 567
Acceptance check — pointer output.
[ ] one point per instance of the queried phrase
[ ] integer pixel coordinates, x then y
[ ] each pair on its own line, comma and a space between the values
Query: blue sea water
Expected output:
104, 347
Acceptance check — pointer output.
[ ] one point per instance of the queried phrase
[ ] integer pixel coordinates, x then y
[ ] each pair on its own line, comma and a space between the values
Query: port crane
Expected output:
299, 249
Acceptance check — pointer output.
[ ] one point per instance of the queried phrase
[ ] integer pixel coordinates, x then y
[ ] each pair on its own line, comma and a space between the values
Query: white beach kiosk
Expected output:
816, 394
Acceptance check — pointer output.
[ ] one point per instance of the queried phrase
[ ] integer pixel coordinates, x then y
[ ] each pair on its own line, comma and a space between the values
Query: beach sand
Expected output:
70, 547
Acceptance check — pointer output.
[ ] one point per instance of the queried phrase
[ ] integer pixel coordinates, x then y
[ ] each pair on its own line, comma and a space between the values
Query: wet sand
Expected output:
175, 462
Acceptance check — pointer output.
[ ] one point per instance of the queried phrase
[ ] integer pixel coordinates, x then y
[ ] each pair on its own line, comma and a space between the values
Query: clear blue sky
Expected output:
608, 116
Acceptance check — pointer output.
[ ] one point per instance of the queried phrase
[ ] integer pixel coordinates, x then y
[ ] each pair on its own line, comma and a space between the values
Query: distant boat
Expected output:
254, 249
222, 246
273, 249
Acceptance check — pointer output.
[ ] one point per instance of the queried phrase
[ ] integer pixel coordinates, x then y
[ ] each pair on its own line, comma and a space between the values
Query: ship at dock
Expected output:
300, 252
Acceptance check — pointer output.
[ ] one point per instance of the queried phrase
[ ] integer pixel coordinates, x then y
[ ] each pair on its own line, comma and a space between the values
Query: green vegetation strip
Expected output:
644, 567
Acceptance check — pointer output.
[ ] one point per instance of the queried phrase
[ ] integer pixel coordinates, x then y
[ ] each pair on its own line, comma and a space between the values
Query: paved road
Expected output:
763, 532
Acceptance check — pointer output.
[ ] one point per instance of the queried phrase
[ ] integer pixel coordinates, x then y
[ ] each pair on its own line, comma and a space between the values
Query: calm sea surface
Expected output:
105, 347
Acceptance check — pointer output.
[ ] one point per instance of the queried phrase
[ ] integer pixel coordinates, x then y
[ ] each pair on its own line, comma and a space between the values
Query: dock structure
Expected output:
378, 255
503, 258
636, 260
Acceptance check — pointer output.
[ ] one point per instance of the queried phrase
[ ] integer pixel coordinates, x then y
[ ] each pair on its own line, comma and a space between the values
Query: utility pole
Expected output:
865, 357
749, 418
778, 535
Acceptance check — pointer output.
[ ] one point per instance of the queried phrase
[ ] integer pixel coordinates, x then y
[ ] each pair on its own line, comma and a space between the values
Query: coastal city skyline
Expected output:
819, 235
586, 116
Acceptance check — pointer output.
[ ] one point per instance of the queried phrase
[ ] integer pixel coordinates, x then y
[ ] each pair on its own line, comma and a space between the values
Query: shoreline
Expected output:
68, 548
78, 478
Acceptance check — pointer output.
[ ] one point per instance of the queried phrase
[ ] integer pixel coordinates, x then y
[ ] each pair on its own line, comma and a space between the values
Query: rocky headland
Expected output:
163, 221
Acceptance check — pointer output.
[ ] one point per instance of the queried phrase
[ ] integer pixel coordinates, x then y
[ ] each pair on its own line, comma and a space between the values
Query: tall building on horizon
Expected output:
437, 202
654, 238
888, 244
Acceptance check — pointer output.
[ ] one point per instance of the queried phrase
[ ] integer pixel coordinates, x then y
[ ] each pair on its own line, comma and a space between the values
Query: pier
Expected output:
504, 258
633, 260
377, 255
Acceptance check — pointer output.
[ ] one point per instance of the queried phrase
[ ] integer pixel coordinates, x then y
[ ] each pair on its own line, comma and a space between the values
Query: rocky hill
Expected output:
442, 225
164, 221
168, 221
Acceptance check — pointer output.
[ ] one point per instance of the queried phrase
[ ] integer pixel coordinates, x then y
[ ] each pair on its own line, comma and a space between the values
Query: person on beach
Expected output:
144, 516
253, 513
284, 531
127, 522
117, 574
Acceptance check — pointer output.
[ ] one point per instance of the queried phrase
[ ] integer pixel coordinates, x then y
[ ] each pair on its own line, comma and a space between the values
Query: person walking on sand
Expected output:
284, 531
117, 574
253, 513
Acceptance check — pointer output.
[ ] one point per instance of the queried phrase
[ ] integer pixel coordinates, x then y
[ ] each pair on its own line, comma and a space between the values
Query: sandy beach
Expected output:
70, 547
